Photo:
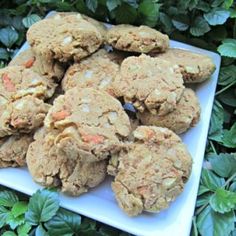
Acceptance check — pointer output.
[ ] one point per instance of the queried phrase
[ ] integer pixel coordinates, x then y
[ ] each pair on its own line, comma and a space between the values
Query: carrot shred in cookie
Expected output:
29, 63
9, 86
96, 139
60, 115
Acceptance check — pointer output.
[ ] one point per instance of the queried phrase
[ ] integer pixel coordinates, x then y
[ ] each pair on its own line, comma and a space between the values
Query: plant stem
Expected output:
229, 180
195, 226
225, 88
213, 147
201, 208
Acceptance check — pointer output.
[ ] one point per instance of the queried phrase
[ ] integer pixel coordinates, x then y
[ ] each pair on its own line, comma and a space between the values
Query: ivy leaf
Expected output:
228, 48
40, 231
129, 16
216, 124
30, 20
223, 201
19, 208
199, 27
112, 4
15, 221
43, 205
229, 137
149, 12
3, 216
217, 16
8, 198
9, 233
210, 180
64, 222
4, 55
228, 97
92, 5
211, 223
24, 229
8, 36
227, 75
223, 164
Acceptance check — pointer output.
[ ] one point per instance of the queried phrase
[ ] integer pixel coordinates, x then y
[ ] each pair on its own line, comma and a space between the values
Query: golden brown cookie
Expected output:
47, 68
151, 171
13, 150
185, 115
50, 166
97, 71
92, 124
64, 38
141, 39
195, 67
149, 84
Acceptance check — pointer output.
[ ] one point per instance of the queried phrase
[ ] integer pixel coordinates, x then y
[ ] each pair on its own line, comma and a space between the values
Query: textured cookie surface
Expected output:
13, 150
92, 123
194, 67
50, 166
137, 39
149, 83
18, 81
64, 38
47, 68
152, 171
186, 114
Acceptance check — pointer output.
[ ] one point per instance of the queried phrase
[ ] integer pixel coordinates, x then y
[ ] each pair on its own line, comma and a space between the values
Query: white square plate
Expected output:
100, 204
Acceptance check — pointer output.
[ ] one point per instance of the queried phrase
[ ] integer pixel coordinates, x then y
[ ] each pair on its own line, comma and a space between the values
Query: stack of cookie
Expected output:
86, 132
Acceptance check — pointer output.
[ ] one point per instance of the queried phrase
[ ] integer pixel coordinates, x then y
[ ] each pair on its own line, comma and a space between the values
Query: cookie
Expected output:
50, 166
13, 150
186, 114
149, 84
152, 171
97, 71
142, 39
64, 39
92, 124
46, 68
97, 24
23, 115
195, 67
18, 81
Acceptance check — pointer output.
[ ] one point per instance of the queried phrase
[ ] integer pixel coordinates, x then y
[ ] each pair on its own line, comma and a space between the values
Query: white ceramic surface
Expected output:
100, 204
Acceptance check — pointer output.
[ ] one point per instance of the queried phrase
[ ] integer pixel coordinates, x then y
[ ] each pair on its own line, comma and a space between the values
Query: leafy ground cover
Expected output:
209, 24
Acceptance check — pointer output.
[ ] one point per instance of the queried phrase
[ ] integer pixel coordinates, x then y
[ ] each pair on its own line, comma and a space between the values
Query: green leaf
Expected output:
216, 3
19, 208
202, 189
112, 4
180, 25
232, 13
24, 229
30, 20
43, 205
15, 221
8, 198
228, 48
9, 233
203, 6
64, 222
40, 231
211, 223
199, 27
229, 137
210, 180
223, 201
203, 199
228, 97
166, 22
227, 75
148, 12
92, 5
228, 3
216, 124
8, 36
107, 231
223, 164
232, 187
4, 55
217, 16
3, 216
129, 16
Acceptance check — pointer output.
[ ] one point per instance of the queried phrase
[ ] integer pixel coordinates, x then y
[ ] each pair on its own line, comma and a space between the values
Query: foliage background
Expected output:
209, 24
